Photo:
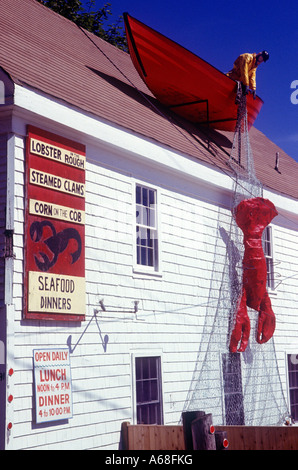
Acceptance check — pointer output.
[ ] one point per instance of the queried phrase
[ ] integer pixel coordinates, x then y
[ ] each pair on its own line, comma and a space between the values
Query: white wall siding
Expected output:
172, 304
170, 314
285, 299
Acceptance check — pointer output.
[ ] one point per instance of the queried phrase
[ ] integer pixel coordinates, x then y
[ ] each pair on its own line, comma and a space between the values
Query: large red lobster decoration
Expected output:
252, 216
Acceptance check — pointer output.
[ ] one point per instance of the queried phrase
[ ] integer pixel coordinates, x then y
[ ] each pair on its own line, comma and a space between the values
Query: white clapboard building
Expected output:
118, 262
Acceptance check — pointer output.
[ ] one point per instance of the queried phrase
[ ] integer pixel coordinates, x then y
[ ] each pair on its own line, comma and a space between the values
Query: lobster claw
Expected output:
56, 244
36, 233
266, 321
46, 264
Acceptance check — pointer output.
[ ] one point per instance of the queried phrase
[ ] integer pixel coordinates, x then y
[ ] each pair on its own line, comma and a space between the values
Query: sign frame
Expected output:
54, 227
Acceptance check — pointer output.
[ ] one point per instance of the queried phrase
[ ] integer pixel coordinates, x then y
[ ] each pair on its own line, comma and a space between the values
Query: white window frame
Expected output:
140, 268
271, 283
140, 354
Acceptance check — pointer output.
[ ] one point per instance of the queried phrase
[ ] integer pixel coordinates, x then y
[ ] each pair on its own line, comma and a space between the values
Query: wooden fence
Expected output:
261, 437
152, 437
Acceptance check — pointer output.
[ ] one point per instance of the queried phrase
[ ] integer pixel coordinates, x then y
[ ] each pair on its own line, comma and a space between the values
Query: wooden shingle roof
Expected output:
42, 50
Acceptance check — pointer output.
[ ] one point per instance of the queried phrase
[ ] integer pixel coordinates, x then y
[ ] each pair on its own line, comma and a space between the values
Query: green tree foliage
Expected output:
90, 19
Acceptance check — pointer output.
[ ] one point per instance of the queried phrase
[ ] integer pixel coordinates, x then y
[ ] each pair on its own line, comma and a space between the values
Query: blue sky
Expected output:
220, 30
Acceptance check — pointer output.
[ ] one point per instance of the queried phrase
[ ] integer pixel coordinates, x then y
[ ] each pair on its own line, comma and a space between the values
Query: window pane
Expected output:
151, 218
140, 397
145, 200
266, 248
150, 257
142, 415
149, 238
146, 227
144, 256
151, 197
153, 367
138, 236
138, 370
153, 414
139, 214
143, 234
138, 195
268, 252
234, 409
145, 368
148, 390
154, 390
270, 275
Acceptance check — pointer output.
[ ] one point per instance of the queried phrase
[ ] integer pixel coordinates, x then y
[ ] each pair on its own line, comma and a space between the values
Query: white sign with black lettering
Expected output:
58, 154
56, 293
49, 181
55, 211
53, 387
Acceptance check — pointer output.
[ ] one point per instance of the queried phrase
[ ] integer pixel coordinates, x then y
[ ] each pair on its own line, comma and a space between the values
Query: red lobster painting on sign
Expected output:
252, 216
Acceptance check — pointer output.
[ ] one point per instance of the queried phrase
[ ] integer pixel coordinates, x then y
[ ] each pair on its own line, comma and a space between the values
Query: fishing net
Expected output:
237, 388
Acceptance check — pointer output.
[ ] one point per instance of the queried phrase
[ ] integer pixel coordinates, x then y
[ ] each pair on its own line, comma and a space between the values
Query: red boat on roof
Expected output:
184, 82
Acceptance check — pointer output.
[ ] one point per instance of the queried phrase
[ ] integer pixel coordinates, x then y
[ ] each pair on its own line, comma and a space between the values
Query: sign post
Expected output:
55, 228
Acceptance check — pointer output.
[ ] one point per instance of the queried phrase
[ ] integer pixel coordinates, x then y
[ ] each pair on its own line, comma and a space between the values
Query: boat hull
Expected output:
184, 82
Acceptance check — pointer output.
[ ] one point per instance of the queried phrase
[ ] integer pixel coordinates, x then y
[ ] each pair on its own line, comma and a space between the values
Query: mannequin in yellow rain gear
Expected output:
244, 70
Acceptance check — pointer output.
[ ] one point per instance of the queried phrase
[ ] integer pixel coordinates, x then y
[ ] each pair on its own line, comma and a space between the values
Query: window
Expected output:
268, 252
146, 228
232, 385
293, 384
148, 390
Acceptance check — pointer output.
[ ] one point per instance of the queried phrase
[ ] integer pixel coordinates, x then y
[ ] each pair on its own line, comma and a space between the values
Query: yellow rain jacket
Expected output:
244, 70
